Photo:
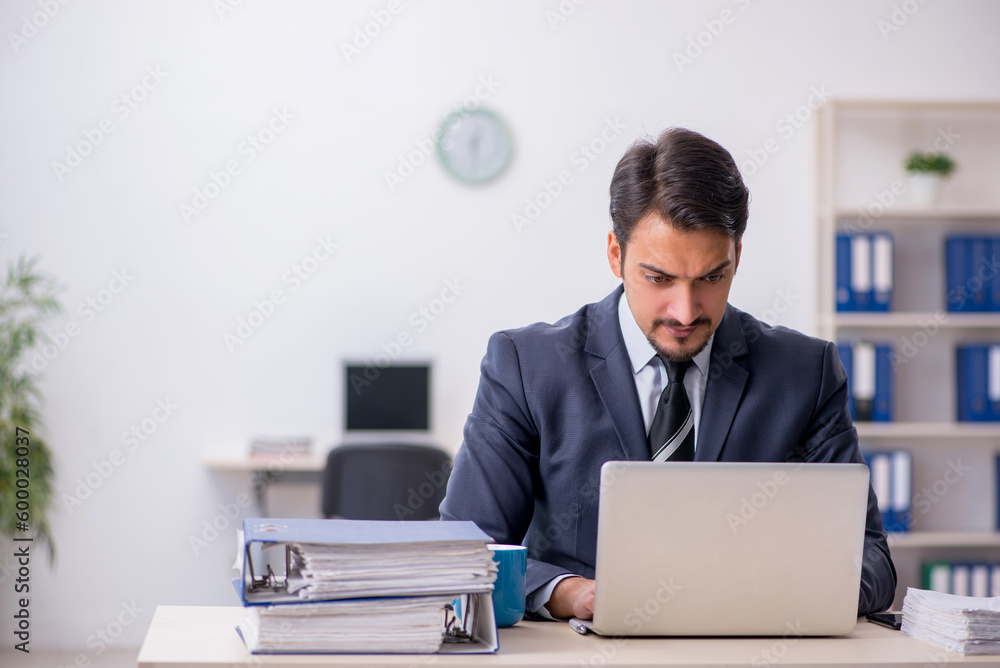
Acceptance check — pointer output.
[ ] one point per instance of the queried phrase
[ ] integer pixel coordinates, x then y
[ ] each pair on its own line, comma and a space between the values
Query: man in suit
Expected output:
663, 368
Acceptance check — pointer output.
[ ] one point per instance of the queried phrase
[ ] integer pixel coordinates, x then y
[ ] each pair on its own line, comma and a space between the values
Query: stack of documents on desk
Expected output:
411, 625
961, 624
265, 446
325, 572
366, 587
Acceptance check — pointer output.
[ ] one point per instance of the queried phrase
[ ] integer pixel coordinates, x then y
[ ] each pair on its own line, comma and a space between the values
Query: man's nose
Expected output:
684, 306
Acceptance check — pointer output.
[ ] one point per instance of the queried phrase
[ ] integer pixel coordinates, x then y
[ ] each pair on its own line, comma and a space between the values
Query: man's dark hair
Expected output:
686, 178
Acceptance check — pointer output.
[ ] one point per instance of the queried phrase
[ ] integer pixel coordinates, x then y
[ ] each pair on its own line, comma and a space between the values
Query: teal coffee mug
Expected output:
508, 592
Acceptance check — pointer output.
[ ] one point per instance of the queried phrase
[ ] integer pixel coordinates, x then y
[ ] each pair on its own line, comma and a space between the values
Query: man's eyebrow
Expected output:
710, 272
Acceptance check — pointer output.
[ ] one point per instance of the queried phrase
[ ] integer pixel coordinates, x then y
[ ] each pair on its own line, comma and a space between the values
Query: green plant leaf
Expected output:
28, 298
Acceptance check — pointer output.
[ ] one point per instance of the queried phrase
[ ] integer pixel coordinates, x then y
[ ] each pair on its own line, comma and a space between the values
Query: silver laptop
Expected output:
729, 549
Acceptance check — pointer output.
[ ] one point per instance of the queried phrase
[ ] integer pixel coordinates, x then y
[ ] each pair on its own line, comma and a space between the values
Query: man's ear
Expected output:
616, 253
739, 249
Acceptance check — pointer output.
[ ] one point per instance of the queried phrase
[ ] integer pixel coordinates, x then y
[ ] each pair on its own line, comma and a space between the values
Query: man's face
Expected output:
676, 283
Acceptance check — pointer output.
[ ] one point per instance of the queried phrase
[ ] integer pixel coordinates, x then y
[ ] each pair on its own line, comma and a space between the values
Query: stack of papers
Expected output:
264, 446
313, 586
960, 624
326, 572
405, 625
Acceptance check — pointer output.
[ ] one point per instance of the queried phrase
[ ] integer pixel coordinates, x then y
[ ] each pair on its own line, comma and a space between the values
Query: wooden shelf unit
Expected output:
862, 186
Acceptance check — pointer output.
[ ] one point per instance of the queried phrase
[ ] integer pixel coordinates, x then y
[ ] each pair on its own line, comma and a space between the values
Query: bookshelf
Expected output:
862, 186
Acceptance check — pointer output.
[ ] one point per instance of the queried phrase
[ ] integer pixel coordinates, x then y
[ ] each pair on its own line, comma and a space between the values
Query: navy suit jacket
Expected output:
556, 401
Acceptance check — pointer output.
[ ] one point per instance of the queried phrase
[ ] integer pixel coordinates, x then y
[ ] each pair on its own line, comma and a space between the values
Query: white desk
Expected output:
265, 469
265, 463
205, 637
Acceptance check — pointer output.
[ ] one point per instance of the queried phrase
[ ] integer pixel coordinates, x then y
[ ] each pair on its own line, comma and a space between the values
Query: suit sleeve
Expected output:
495, 475
832, 437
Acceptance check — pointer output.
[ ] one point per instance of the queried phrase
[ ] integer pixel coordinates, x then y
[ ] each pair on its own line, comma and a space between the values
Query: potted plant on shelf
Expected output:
927, 171
27, 300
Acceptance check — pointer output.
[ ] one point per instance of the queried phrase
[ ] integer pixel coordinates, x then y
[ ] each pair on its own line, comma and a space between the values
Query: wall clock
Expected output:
474, 145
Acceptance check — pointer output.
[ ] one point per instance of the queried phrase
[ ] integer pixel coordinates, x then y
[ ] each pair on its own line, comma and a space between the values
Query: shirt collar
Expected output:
639, 349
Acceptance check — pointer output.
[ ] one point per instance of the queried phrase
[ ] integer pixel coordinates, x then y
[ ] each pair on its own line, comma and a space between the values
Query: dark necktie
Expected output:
671, 436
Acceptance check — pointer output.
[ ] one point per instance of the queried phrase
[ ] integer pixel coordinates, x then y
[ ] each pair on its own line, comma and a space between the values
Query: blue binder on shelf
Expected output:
979, 284
844, 297
977, 368
870, 385
882, 411
956, 275
882, 272
971, 283
861, 272
900, 511
993, 302
864, 272
880, 470
892, 482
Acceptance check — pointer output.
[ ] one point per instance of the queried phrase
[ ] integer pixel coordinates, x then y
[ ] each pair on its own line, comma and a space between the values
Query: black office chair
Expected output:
385, 482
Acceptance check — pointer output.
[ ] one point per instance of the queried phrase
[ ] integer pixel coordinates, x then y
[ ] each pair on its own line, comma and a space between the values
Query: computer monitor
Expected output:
390, 398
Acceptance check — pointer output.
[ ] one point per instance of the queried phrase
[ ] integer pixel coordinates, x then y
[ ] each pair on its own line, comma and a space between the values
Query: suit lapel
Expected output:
612, 376
726, 382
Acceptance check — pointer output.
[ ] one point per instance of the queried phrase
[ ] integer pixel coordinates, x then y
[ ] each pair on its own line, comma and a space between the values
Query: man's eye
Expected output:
655, 280
714, 278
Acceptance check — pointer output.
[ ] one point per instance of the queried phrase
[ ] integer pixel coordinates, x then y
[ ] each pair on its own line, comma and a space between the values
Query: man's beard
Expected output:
672, 356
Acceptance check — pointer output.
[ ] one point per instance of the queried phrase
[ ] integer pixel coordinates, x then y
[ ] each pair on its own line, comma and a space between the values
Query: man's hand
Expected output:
572, 597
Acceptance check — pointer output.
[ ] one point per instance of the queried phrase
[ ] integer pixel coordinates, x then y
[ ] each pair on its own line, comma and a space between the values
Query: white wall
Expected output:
161, 337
